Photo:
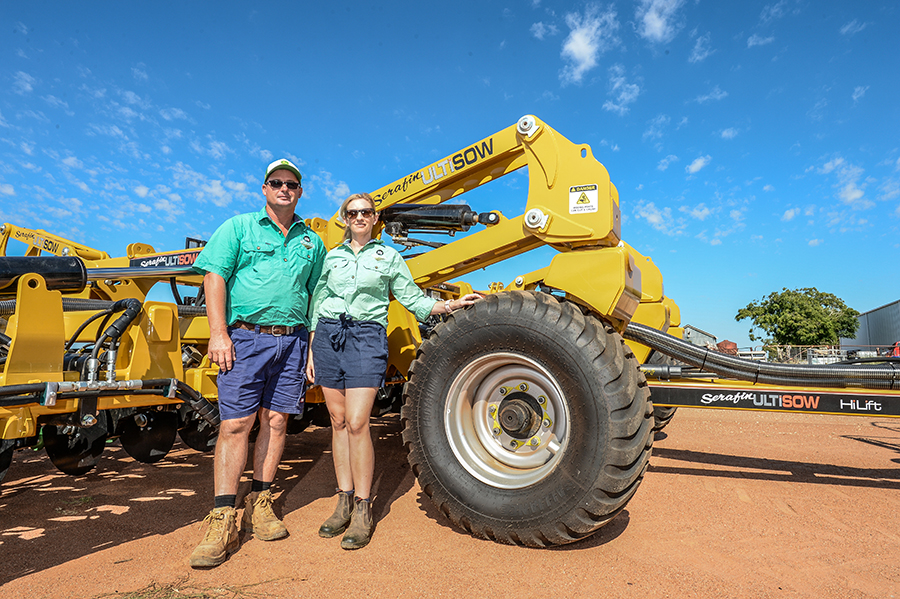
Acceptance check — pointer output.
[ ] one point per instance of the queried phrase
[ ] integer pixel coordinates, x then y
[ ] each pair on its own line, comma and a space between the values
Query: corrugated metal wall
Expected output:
880, 326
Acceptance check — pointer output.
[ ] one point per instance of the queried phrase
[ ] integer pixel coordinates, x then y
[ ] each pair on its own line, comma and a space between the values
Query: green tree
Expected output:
801, 317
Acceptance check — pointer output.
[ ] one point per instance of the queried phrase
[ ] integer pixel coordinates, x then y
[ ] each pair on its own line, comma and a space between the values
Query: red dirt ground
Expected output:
735, 504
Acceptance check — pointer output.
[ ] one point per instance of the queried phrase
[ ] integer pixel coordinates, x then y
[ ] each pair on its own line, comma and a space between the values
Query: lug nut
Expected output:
523, 387
503, 391
535, 441
541, 399
513, 444
496, 431
492, 410
546, 423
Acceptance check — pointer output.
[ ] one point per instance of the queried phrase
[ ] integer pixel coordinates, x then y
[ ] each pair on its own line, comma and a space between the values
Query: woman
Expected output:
349, 351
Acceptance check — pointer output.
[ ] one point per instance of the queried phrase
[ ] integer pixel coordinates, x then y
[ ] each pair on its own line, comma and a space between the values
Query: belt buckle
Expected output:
280, 330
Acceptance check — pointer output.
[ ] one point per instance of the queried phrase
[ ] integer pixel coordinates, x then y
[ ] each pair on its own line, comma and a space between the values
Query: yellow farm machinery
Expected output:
528, 417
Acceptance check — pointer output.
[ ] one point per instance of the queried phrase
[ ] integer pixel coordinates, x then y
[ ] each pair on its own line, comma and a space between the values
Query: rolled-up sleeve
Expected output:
408, 293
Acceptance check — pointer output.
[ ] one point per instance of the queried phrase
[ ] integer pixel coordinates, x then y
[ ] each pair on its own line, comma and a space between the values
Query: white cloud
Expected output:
72, 162
592, 34
7, 189
790, 214
768, 188
623, 93
815, 242
657, 20
771, 12
665, 162
170, 114
701, 49
23, 83
729, 133
336, 191
699, 212
139, 72
142, 191
216, 150
697, 164
716, 94
655, 130
852, 28
859, 92
831, 165
659, 219
540, 30
758, 40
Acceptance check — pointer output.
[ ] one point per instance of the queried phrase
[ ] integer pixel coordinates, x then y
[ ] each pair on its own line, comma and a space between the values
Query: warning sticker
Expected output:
583, 198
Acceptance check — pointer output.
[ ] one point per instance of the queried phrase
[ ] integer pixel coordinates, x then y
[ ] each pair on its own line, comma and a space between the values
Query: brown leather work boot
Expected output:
360, 530
338, 521
220, 540
259, 517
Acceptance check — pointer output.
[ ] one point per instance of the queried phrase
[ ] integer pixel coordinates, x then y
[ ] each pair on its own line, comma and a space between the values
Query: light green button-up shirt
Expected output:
358, 285
269, 277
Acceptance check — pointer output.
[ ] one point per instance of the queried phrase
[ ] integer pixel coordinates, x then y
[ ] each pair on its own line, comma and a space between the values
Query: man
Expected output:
260, 270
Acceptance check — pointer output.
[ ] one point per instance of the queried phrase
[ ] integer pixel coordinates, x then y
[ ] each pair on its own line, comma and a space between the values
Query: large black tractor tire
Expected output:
527, 422
662, 415
7, 449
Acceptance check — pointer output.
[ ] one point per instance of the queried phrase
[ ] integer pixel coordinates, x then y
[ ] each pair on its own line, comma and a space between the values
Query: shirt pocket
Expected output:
260, 255
373, 277
339, 271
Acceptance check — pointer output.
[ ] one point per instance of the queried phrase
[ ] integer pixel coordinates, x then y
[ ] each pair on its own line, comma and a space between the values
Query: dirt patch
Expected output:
735, 504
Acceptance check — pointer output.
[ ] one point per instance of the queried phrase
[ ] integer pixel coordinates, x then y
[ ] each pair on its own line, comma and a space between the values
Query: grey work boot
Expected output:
220, 540
259, 517
360, 530
338, 521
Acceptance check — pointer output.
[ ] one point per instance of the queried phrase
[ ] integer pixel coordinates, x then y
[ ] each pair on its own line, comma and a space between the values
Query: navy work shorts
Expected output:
348, 354
269, 371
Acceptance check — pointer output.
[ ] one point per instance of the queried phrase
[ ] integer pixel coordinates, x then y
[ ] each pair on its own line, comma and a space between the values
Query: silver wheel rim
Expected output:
470, 421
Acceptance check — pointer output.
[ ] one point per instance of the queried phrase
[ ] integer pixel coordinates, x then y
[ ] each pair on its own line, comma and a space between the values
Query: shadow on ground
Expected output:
48, 518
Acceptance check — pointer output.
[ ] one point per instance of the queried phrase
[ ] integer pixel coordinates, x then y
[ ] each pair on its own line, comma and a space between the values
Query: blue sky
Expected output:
754, 145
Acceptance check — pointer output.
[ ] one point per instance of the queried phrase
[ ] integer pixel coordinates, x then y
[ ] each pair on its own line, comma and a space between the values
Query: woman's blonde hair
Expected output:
343, 210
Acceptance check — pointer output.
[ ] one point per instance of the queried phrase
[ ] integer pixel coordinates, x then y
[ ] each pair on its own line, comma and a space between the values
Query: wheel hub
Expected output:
520, 415
506, 420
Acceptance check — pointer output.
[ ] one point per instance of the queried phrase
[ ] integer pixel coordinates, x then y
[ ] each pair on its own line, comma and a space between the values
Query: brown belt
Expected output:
275, 329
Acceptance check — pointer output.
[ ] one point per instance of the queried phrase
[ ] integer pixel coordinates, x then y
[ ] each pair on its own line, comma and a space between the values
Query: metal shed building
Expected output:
880, 326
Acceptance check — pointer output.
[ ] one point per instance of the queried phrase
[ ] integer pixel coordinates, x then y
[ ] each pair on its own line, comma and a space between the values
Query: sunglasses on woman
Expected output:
365, 212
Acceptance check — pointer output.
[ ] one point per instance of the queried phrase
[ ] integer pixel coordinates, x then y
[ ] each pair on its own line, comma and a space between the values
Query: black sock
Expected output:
225, 500
258, 485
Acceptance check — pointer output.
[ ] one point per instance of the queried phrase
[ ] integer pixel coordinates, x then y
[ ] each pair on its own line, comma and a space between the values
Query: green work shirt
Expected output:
358, 285
269, 277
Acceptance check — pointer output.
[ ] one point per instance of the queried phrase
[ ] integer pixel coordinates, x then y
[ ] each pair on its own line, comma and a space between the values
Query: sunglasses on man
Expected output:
277, 183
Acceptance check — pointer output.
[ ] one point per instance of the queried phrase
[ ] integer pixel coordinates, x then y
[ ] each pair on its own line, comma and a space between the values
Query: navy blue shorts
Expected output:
269, 371
349, 355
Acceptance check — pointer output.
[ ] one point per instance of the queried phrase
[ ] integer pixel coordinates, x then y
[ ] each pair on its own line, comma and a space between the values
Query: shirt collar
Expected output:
263, 214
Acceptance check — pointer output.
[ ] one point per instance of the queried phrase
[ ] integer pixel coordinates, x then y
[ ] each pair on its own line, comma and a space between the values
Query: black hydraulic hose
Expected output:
132, 308
77, 304
886, 376
174, 285
75, 335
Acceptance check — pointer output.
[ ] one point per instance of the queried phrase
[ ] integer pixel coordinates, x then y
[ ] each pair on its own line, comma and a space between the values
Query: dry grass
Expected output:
183, 588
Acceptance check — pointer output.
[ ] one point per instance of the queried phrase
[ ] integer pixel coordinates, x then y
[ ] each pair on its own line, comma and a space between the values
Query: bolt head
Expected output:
88, 420
546, 423
519, 281
541, 399
503, 391
513, 444
523, 387
535, 441
496, 431
492, 410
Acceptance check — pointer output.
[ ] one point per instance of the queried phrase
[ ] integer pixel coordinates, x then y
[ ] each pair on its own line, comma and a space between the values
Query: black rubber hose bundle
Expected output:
880, 376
